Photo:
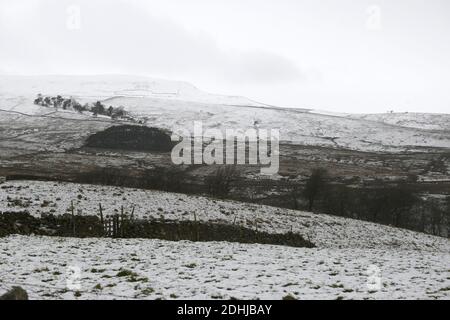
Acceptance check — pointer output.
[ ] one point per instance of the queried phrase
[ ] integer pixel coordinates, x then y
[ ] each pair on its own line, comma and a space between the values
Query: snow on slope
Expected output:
92, 88
324, 231
170, 105
216, 270
427, 121
349, 259
296, 126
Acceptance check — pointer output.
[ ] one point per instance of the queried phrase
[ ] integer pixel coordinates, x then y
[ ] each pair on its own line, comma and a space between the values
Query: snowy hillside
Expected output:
426, 121
170, 105
324, 231
353, 259
296, 125
102, 87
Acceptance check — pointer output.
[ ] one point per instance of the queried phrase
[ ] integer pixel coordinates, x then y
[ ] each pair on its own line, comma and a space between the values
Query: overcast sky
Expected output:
346, 55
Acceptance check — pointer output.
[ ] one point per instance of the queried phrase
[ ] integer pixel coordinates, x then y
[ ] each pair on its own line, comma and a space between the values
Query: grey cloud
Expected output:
120, 37
263, 67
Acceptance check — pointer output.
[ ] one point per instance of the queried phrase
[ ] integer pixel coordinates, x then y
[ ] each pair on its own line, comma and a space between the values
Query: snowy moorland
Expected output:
353, 259
325, 231
68, 268
171, 105
427, 121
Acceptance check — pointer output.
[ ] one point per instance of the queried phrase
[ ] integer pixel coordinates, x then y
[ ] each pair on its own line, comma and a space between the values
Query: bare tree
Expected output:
397, 202
294, 192
314, 186
436, 219
220, 182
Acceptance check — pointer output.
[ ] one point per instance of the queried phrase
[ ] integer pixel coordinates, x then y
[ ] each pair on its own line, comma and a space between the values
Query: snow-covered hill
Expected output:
92, 88
324, 231
170, 105
426, 121
353, 259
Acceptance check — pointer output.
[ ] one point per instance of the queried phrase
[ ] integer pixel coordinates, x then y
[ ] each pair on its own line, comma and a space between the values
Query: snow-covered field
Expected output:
324, 231
64, 268
171, 105
353, 259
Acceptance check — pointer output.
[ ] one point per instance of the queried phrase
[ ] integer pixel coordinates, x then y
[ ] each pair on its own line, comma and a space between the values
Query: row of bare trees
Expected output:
392, 204
71, 104
395, 204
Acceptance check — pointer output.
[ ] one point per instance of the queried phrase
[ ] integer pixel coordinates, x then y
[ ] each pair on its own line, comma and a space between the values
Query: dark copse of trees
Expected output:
391, 204
131, 137
71, 104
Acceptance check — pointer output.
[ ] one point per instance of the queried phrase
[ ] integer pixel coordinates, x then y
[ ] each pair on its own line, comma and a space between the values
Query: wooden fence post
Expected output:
121, 223
114, 226
132, 213
117, 226
197, 234
72, 218
101, 213
101, 218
